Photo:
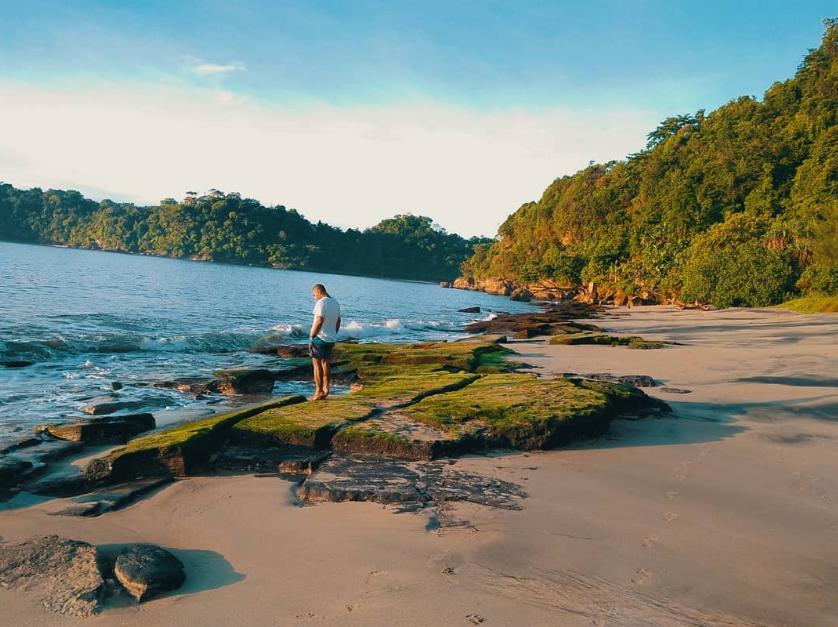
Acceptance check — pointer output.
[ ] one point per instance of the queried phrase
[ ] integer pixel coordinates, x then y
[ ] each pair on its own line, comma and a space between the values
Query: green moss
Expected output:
812, 304
312, 424
603, 339
307, 424
517, 410
178, 450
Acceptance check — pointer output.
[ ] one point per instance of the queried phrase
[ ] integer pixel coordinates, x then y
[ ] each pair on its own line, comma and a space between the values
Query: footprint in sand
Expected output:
670, 516
641, 575
671, 494
649, 541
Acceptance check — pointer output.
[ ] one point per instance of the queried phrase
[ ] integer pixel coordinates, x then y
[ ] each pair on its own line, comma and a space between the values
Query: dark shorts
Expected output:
318, 349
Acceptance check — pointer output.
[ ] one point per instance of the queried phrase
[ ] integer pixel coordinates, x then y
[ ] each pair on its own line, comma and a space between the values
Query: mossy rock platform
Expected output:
409, 402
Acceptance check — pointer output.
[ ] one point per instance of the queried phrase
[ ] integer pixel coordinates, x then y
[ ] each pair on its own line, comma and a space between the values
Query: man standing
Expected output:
324, 334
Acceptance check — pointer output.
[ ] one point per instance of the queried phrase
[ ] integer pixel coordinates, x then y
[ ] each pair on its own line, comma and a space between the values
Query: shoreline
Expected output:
720, 514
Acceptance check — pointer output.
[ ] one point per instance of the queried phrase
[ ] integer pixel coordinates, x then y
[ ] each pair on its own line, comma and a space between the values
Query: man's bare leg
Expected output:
318, 379
325, 378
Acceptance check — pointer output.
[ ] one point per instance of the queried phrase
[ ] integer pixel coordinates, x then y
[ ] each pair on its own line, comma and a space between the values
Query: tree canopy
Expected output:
229, 228
735, 207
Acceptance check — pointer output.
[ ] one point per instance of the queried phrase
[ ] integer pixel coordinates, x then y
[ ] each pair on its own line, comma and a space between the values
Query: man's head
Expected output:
319, 291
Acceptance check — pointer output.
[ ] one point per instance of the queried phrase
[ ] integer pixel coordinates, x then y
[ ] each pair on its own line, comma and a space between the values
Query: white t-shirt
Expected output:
329, 308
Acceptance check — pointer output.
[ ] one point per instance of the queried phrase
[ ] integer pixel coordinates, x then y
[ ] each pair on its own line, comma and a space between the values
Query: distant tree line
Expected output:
229, 228
735, 207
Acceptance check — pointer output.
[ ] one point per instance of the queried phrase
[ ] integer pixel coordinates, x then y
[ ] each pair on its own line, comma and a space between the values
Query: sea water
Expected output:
87, 319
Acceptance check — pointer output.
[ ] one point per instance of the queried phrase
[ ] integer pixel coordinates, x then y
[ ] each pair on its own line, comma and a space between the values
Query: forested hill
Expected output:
735, 207
228, 228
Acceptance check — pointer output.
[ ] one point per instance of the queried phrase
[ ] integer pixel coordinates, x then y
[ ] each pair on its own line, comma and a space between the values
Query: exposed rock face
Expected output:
469, 310
109, 429
145, 571
193, 385
552, 320
638, 380
246, 381
65, 573
177, 452
109, 498
102, 408
546, 289
357, 478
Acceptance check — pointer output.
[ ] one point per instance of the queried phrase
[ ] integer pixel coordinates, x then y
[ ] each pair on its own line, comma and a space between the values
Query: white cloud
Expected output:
211, 69
347, 166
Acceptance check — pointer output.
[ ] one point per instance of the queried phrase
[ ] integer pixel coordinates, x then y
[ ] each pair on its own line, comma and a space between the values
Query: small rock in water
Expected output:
16, 363
116, 386
470, 310
146, 570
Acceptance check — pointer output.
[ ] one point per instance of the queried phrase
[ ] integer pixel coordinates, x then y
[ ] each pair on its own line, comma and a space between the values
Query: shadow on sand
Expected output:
205, 570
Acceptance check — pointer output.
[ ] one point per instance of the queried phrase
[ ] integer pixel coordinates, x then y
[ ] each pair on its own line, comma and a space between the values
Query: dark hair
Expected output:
319, 287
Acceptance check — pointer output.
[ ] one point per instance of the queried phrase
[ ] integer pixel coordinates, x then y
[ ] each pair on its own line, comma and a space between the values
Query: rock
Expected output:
109, 407
111, 498
116, 386
16, 363
445, 284
637, 380
42, 448
65, 573
246, 381
146, 570
521, 294
178, 451
192, 385
470, 310
417, 484
290, 460
675, 390
59, 485
12, 470
109, 429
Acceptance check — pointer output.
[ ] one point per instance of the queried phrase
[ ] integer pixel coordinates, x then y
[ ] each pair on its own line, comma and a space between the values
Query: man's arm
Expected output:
315, 327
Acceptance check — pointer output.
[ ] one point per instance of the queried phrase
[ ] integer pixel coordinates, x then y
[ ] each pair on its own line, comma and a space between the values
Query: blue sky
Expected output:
549, 84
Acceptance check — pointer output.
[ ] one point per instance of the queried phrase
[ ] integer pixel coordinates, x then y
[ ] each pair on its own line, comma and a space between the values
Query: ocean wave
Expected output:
216, 342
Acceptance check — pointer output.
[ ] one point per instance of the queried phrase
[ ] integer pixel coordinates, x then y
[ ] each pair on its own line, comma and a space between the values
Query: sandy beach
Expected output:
723, 513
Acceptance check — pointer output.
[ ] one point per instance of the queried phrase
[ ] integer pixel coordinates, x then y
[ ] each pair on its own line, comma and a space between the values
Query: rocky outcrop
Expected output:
603, 339
103, 430
106, 406
552, 291
405, 484
551, 320
145, 571
176, 452
64, 573
246, 381
109, 498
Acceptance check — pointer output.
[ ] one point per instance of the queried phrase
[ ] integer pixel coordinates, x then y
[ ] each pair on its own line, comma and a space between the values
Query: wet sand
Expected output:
724, 513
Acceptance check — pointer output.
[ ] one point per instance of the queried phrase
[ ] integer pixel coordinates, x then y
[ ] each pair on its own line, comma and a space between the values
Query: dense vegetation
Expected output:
228, 228
736, 207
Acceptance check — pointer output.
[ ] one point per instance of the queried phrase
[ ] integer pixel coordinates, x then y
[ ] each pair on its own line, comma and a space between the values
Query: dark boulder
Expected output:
12, 470
146, 570
470, 310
